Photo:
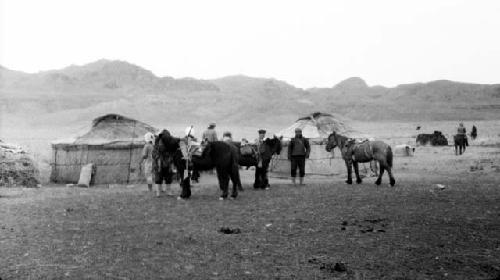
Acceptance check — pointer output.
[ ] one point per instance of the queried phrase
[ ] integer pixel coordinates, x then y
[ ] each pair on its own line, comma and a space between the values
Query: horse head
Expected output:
332, 142
167, 142
274, 144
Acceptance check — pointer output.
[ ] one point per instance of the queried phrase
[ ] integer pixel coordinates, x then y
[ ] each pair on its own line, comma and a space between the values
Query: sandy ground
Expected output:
416, 230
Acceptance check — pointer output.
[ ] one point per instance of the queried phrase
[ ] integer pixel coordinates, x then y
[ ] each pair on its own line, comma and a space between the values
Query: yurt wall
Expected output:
113, 163
320, 162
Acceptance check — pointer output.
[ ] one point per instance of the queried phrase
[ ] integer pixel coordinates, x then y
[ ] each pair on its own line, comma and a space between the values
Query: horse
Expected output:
460, 143
271, 146
224, 158
353, 153
170, 146
218, 154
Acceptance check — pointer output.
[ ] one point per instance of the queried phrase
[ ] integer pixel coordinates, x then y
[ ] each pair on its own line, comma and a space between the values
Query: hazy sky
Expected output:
307, 43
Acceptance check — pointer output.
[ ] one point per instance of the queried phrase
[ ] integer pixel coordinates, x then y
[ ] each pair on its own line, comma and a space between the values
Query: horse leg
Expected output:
373, 168
180, 173
379, 179
265, 179
239, 186
195, 176
349, 171
223, 178
256, 184
356, 171
183, 183
392, 181
235, 178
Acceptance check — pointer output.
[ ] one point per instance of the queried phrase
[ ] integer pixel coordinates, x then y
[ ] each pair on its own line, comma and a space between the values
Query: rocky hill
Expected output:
80, 93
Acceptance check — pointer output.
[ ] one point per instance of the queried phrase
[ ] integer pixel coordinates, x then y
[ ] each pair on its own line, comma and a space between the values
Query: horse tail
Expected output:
389, 156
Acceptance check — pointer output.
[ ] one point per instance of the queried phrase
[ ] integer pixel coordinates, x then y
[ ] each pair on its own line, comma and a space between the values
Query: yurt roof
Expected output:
319, 125
111, 129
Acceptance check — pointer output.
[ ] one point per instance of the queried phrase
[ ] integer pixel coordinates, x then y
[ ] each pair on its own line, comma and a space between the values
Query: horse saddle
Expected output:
248, 150
359, 150
194, 149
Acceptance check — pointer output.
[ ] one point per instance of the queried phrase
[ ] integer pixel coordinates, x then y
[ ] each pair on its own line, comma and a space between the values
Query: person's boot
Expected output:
293, 181
157, 189
301, 180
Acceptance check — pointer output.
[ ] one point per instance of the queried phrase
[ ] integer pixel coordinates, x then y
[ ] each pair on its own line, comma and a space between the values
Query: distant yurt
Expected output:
113, 144
316, 127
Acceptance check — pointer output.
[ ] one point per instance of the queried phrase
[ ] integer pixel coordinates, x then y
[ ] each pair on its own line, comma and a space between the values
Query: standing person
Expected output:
298, 152
209, 135
188, 145
187, 141
261, 180
473, 134
147, 159
162, 164
227, 137
461, 131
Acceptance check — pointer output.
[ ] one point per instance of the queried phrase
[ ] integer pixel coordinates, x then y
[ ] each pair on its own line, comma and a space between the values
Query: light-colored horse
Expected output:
367, 151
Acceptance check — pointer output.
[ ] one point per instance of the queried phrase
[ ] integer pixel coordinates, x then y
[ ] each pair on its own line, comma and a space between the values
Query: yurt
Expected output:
316, 127
113, 144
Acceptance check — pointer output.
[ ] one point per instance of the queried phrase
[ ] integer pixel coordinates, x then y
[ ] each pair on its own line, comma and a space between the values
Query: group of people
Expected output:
298, 151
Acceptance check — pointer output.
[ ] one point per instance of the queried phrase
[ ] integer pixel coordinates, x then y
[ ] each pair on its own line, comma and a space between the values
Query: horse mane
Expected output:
271, 143
339, 138
170, 143
343, 140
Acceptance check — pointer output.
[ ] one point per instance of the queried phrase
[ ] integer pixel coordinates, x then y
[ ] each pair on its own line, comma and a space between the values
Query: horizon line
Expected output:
241, 75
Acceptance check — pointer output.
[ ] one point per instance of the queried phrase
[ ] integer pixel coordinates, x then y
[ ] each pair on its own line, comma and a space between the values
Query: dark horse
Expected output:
219, 155
271, 146
224, 158
460, 143
353, 153
169, 146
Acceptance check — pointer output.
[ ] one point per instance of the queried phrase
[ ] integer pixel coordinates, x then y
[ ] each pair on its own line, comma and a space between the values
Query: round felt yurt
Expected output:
113, 145
316, 127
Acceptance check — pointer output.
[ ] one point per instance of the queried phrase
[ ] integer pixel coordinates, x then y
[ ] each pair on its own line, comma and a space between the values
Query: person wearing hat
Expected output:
261, 180
461, 132
298, 152
147, 159
209, 135
461, 129
227, 137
